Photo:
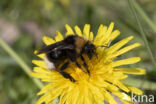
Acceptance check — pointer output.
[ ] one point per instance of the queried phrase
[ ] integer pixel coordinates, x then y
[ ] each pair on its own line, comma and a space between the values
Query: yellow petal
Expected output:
110, 29
66, 95
126, 97
56, 92
127, 102
48, 40
62, 96
44, 98
137, 71
58, 37
122, 86
75, 95
111, 87
100, 34
119, 75
42, 56
118, 94
45, 89
86, 97
104, 39
124, 50
41, 70
91, 36
78, 30
69, 30
40, 76
95, 91
135, 90
119, 44
109, 98
131, 60
114, 35
39, 63
86, 30
36, 75
107, 41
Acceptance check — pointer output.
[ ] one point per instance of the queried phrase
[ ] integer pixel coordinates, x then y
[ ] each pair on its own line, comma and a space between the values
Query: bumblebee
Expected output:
71, 48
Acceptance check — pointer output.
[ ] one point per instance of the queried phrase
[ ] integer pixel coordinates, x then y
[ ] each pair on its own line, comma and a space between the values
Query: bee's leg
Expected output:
85, 65
79, 66
64, 74
73, 59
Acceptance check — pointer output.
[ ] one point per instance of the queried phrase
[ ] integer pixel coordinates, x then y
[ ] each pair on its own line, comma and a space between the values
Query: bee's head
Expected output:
89, 49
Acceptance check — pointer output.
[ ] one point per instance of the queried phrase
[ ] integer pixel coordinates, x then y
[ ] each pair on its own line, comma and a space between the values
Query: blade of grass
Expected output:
131, 3
144, 16
23, 65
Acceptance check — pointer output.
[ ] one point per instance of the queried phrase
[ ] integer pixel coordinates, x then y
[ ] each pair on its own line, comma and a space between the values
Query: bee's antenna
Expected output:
107, 45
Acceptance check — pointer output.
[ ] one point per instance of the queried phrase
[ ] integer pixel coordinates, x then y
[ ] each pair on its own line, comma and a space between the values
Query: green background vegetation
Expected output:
24, 22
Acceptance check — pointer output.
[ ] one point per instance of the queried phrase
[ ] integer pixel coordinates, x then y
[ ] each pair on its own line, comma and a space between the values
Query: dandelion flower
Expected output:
106, 77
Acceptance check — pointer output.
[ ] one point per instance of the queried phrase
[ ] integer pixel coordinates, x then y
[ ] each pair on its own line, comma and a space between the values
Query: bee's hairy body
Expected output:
70, 49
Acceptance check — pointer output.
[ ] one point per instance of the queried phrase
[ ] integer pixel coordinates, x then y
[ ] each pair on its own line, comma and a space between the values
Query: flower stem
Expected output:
24, 66
131, 3
144, 16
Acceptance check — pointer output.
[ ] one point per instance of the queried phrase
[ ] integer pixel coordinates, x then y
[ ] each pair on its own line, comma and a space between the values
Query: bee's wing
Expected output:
56, 46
